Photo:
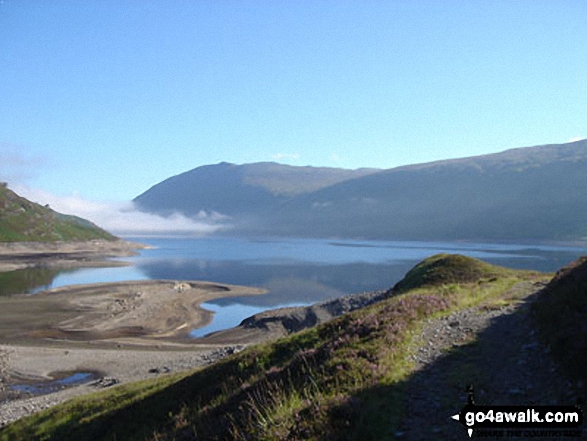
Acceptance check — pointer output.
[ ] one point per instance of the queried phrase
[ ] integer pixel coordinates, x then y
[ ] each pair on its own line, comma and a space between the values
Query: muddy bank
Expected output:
27, 368
148, 312
74, 340
19, 255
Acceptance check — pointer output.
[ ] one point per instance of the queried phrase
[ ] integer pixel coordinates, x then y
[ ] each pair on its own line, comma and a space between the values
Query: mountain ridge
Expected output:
522, 193
233, 189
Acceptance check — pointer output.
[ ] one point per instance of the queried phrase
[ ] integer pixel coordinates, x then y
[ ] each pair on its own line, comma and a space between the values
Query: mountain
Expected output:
24, 221
527, 193
237, 190
524, 193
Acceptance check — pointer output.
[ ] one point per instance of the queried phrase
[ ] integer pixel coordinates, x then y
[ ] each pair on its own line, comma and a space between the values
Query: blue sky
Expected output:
99, 100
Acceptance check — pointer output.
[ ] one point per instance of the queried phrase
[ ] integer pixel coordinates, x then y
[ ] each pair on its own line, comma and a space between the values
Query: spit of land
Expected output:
110, 332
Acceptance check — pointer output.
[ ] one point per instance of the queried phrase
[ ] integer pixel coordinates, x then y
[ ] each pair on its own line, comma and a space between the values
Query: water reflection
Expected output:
46, 387
287, 284
26, 280
225, 317
36, 279
295, 271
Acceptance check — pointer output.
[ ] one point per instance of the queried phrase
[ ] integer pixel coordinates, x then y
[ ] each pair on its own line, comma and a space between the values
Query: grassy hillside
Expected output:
341, 380
443, 269
24, 221
561, 310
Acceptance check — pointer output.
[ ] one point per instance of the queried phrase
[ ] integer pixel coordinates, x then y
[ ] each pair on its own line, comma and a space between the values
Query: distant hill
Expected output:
24, 221
528, 193
525, 193
239, 190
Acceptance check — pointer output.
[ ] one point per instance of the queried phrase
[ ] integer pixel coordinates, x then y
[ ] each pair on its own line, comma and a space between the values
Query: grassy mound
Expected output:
341, 380
443, 269
24, 221
561, 312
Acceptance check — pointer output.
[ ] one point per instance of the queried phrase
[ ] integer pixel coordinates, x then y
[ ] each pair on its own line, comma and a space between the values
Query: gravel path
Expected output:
496, 350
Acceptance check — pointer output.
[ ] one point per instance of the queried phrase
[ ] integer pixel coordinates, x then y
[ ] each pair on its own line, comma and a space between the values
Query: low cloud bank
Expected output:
123, 218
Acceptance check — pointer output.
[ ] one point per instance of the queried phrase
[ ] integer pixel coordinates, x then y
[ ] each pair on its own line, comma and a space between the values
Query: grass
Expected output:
24, 221
340, 380
561, 313
449, 269
90, 413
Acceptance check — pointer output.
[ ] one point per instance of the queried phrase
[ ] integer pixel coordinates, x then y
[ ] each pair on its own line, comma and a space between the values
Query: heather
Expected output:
561, 312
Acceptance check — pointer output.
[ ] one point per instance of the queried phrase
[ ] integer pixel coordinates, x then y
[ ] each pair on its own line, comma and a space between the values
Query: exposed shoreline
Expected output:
146, 312
125, 358
20, 255
37, 365
123, 331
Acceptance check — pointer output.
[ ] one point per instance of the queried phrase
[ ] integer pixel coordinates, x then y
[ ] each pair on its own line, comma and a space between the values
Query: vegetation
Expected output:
443, 269
341, 380
561, 312
24, 221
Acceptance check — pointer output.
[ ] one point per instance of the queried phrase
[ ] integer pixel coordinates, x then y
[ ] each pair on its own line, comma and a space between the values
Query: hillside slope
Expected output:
529, 193
24, 221
238, 190
561, 310
345, 379
525, 193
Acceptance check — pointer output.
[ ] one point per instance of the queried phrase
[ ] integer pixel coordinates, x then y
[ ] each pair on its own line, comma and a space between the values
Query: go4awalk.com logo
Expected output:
520, 421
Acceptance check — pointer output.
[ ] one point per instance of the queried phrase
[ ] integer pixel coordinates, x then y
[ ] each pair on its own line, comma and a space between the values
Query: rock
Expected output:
105, 382
182, 286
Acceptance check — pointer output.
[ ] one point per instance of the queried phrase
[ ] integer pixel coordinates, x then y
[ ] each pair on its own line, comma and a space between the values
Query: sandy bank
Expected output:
148, 312
124, 331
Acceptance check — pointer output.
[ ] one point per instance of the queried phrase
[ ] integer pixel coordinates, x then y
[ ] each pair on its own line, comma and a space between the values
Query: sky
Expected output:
100, 100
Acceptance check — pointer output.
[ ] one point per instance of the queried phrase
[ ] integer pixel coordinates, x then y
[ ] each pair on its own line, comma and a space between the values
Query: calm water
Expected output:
295, 271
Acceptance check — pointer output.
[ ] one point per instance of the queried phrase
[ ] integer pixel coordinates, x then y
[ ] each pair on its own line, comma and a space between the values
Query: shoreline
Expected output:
120, 332
22, 255
38, 366
141, 313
